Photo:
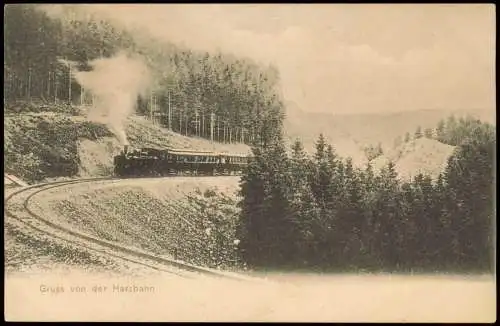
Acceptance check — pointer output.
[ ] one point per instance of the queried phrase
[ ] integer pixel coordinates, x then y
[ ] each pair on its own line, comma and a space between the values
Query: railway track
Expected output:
25, 216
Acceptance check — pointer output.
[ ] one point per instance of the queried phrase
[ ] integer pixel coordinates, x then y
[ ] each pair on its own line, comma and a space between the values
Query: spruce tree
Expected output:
428, 133
388, 216
253, 213
303, 205
370, 215
322, 175
351, 217
469, 178
407, 238
418, 133
443, 231
423, 190
441, 131
407, 137
269, 228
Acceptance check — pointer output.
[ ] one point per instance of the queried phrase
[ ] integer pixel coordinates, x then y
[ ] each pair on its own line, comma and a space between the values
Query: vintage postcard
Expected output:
250, 162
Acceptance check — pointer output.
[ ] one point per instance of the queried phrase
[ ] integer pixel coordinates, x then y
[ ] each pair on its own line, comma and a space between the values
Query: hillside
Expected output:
150, 214
350, 133
426, 156
43, 145
96, 157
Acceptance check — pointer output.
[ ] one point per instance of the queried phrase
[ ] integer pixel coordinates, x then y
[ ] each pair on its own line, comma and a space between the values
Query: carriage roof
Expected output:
204, 153
188, 152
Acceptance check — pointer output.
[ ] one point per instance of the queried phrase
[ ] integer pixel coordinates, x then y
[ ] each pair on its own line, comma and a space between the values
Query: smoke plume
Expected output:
114, 83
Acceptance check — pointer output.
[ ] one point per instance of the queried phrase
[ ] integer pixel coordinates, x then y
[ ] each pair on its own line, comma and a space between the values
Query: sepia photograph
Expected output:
250, 162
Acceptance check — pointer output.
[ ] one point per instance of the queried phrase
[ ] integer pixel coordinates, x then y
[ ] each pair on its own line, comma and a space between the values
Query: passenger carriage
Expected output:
153, 161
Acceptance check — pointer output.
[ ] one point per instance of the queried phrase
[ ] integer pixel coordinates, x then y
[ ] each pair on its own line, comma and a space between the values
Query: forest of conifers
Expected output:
322, 213
238, 92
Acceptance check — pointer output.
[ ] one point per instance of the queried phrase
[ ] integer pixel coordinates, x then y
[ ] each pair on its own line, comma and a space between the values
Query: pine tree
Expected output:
407, 238
322, 176
443, 230
325, 188
269, 228
388, 216
372, 152
428, 133
470, 186
451, 133
351, 217
334, 172
426, 222
253, 214
441, 131
303, 205
407, 137
418, 133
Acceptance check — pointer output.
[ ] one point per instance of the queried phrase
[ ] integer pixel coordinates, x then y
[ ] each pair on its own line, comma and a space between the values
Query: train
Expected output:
163, 162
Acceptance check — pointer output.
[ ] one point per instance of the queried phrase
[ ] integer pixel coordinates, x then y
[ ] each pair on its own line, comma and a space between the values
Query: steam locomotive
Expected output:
162, 162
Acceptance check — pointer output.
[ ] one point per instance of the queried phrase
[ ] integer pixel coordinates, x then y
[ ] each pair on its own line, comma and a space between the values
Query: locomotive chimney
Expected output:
125, 149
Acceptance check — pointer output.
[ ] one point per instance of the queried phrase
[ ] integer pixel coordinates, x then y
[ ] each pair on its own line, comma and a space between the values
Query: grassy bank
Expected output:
188, 219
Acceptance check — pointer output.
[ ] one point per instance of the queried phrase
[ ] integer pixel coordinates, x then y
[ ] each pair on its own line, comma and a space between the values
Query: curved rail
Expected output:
117, 250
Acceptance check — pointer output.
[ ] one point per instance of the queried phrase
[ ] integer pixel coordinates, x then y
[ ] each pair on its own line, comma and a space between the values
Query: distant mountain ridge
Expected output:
350, 133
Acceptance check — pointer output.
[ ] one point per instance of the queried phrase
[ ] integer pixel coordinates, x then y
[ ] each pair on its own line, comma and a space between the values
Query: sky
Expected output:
344, 58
